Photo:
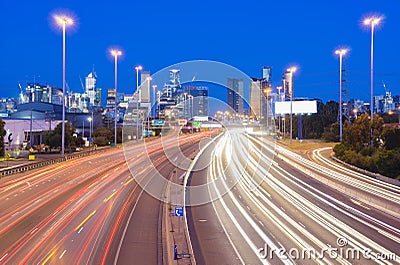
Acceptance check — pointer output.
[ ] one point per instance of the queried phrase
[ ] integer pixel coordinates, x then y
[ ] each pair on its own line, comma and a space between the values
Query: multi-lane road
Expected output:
248, 201
271, 206
91, 210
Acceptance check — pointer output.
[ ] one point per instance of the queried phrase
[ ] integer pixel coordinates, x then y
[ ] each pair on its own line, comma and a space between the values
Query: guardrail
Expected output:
368, 173
29, 166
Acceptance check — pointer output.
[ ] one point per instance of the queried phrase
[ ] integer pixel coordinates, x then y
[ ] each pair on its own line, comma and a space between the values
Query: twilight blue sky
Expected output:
245, 34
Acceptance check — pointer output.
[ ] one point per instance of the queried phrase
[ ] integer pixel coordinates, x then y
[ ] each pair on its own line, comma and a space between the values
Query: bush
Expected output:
388, 163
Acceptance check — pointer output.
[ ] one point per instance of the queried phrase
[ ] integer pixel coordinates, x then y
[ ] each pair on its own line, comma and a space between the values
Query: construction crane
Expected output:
22, 97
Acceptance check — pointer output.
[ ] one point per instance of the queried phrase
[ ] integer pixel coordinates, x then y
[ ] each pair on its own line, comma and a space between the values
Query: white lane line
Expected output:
302, 225
33, 231
5, 255
80, 230
392, 237
283, 209
62, 254
261, 223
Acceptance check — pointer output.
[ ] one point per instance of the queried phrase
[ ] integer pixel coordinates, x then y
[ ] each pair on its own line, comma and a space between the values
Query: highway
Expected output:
89, 210
268, 205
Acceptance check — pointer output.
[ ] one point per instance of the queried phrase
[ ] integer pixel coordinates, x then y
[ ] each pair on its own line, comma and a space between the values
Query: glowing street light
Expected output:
267, 91
291, 70
90, 127
149, 110
372, 21
115, 53
340, 52
63, 21
137, 68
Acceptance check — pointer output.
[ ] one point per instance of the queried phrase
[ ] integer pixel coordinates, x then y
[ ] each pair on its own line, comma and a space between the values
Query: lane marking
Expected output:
80, 230
33, 231
5, 255
392, 237
62, 254
84, 220
129, 181
49, 257
109, 197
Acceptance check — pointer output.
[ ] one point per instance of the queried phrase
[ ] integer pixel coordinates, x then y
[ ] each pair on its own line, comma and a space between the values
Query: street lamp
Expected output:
267, 91
149, 110
115, 53
153, 100
137, 68
63, 21
190, 97
340, 52
372, 21
291, 70
158, 104
90, 127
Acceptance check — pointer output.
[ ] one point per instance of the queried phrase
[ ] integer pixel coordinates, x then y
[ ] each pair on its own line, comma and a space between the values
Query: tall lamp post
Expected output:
340, 52
291, 70
149, 110
63, 21
137, 68
115, 53
372, 21
267, 91
190, 106
153, 101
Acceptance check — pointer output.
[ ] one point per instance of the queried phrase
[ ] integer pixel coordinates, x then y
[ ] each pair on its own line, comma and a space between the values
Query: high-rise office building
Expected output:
287, 84
267, 75
145, 87
199, 105
236, 94
36, 92
256, 98
90, 82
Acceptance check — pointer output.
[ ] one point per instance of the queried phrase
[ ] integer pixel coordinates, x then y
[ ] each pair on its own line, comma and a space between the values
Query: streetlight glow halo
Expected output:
370, 19
59, 17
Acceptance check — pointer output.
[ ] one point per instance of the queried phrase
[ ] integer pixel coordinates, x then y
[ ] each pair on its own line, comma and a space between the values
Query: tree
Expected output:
105, 136
391, 138
2, 134
53, 139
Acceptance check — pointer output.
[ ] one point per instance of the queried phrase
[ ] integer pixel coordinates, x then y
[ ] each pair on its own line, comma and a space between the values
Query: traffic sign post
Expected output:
178, 211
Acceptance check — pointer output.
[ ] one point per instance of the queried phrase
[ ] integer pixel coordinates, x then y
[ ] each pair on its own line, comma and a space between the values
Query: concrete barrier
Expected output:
26, 167
368, 173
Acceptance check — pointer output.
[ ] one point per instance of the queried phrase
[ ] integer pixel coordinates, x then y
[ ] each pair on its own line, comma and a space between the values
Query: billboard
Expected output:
298, 107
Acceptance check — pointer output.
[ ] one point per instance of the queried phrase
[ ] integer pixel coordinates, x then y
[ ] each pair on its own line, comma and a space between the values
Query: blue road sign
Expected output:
179, 211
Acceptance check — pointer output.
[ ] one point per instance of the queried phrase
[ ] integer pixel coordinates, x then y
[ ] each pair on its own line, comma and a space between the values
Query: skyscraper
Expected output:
199, 105
145, 87
267, 75
287, 84
256, 97
90, 82
236, 94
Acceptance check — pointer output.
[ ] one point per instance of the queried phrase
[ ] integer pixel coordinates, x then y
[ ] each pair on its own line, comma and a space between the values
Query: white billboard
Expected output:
298, 107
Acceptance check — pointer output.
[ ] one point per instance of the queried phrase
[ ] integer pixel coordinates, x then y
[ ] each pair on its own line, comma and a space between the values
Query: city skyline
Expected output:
89, 40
